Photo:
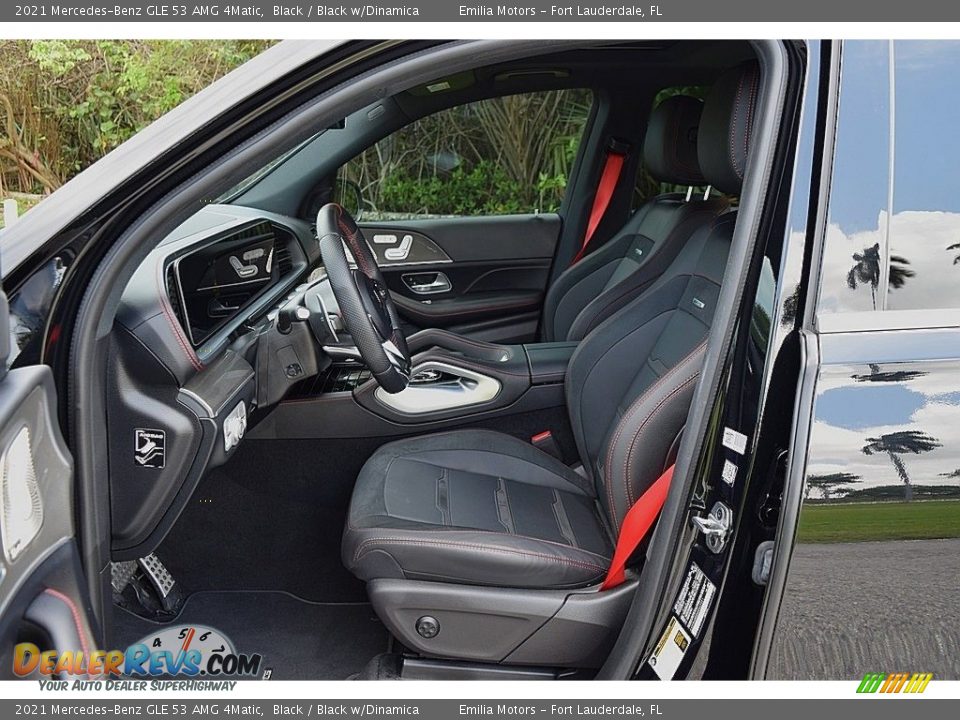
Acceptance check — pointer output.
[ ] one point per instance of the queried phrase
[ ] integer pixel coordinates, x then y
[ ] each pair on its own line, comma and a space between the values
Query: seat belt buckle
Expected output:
545, 441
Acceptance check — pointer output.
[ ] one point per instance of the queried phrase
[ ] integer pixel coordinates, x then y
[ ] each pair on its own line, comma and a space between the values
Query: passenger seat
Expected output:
609, 278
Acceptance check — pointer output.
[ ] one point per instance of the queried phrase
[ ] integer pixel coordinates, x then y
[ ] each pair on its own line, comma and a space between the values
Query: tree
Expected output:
829, 483
866, 271
900, 443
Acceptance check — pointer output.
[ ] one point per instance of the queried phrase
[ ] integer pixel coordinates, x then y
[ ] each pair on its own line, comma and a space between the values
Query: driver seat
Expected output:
480, 509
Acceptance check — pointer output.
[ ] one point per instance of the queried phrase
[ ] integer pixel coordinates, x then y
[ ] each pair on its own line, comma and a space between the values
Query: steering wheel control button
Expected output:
428, 627
234, 426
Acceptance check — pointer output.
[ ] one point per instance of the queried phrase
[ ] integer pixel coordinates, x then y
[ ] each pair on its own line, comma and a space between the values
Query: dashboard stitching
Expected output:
174, 325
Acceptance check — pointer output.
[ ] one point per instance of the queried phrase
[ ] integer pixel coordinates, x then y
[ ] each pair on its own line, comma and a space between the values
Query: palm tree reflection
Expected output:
955, 246
830, 483
866, 271
877, 374
900, 443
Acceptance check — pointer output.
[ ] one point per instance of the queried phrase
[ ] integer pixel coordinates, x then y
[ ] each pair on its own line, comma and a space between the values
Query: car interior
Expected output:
379, 441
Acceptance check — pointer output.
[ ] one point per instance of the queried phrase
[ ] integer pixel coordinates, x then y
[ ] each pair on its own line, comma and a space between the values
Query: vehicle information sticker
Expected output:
734, 440
694, 599
670, 650
729, 472
149, 447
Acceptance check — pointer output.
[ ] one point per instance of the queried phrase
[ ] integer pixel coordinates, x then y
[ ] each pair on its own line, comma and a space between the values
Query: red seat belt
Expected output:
616, 156
636, 524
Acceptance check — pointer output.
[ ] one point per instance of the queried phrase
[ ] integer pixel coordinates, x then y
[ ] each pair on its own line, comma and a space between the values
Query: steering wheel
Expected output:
368, 310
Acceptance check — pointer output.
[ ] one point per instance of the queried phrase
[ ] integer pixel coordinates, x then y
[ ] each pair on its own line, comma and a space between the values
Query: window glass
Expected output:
893, 235
925, 224
855, 238
499, 156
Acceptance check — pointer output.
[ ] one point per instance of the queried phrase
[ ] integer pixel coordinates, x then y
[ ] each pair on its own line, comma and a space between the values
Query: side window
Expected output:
499, 156
893, 234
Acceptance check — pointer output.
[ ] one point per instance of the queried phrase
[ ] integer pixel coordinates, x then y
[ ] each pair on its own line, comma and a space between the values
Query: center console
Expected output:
454, 380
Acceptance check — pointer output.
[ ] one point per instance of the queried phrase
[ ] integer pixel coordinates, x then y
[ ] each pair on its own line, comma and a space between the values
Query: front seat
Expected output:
473, 529
610, 277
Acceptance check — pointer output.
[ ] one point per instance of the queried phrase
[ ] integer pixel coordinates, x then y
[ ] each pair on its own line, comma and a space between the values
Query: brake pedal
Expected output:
161, 581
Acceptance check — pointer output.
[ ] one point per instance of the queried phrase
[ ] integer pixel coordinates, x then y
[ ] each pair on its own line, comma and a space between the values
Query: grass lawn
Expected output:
860, 522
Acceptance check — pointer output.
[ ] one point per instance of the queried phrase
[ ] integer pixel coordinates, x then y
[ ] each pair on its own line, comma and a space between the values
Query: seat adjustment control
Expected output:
428, 627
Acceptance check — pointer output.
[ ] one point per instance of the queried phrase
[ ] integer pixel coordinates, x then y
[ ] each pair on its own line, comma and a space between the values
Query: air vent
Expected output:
283, 259
173, 295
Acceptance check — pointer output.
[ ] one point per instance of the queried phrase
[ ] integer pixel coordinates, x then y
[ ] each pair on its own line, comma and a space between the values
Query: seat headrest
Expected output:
726, 125
670, 145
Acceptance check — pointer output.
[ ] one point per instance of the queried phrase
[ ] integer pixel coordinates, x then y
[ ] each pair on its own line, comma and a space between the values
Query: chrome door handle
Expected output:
427, 283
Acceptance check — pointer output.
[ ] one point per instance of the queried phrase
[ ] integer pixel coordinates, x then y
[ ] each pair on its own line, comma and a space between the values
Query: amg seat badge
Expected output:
149, 448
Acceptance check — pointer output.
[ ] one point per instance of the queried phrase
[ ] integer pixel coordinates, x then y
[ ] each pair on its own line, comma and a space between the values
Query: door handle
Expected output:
427, 283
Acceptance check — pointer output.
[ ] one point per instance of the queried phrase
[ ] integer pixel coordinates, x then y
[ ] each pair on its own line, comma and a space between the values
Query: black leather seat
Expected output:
610, 277
483, 508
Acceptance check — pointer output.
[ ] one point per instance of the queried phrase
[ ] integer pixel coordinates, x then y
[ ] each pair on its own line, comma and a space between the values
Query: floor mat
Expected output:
298, 640
271, 519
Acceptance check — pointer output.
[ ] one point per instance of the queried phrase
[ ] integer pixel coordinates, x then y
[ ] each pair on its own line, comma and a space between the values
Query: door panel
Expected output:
42, 587
484, 277
872, 582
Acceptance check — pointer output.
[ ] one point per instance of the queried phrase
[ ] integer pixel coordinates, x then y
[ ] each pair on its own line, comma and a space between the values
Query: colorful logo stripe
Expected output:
894, 682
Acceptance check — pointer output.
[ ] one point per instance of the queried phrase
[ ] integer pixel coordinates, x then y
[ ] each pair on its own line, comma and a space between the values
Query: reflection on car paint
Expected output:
873, 576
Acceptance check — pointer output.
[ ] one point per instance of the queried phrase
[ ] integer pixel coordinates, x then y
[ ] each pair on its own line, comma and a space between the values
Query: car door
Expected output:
43, 591
463, 209
871, 583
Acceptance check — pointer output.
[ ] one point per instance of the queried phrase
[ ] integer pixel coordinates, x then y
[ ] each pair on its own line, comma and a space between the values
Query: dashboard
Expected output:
195, 349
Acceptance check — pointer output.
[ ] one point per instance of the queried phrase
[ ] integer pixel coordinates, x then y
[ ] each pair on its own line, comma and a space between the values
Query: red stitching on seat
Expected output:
472, 546
608, 473
636, 437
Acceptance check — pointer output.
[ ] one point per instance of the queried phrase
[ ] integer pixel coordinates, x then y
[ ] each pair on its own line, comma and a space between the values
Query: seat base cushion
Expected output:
476, 507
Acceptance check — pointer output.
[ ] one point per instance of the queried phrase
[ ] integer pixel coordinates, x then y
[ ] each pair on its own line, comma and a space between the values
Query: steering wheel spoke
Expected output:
368, 311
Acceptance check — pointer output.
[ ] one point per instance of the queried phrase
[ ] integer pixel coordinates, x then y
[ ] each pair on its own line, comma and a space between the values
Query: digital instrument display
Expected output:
217, 281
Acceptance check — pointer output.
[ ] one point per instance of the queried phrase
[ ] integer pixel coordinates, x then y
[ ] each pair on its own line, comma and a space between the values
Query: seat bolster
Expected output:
582, 282
450, 554
687, 218
636, 453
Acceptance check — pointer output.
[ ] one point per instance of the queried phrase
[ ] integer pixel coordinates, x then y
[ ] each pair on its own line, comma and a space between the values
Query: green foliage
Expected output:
504, 155
69, 102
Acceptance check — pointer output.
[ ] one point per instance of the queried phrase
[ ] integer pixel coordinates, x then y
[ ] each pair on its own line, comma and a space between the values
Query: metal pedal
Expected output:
121, 574
161, 581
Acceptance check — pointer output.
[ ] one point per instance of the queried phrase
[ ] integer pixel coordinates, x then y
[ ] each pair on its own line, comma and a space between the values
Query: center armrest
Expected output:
548, 361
